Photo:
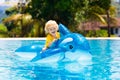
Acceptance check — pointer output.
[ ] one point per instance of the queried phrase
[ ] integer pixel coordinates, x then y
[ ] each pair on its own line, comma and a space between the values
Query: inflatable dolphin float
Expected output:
70, 46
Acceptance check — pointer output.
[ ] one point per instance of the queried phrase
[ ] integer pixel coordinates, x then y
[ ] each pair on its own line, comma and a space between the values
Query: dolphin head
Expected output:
75, 47
73, 41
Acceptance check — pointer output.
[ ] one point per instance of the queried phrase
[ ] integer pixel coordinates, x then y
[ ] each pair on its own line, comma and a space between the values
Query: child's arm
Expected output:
48, 44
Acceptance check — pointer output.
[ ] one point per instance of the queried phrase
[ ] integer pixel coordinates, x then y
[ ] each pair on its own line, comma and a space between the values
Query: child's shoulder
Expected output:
48, 35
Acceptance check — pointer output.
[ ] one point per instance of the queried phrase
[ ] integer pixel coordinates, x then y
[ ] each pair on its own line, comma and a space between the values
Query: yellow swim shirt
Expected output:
50, 38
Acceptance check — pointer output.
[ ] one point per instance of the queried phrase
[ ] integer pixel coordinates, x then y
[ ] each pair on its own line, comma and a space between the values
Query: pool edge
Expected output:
43, 38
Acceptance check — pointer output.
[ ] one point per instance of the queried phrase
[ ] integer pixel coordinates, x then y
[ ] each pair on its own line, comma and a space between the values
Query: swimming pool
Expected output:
105, 63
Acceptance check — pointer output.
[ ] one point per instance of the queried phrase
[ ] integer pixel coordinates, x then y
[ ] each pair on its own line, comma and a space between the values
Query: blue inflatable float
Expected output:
70, 46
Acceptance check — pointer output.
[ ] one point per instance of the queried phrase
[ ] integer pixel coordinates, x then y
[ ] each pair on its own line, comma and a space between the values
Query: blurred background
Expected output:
91, 18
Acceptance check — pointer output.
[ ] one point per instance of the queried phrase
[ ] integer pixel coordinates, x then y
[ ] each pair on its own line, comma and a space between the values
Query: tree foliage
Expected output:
68, 12
59, 10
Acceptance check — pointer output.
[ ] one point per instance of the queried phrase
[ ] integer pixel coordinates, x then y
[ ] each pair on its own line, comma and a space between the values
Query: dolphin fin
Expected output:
37, 57
63, 30
29, 48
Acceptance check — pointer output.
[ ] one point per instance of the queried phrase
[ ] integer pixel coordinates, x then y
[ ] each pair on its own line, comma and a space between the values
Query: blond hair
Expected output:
51, 23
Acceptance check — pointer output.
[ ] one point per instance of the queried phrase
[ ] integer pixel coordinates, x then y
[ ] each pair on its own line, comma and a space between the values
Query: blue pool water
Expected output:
105, 63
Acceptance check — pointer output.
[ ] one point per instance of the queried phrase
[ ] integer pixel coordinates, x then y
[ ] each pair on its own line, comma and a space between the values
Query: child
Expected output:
51, 28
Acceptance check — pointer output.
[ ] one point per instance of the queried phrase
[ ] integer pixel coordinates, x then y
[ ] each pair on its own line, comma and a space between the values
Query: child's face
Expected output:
52, 30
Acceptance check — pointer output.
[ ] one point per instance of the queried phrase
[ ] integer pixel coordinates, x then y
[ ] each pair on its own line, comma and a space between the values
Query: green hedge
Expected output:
3, 31
3, 28
97, 33
94, 33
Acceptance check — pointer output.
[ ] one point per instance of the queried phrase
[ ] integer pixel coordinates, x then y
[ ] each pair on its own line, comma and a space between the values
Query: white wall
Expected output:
118, 31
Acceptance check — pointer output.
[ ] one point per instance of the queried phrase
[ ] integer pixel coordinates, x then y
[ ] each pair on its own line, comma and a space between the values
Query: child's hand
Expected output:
54, 40
43, 49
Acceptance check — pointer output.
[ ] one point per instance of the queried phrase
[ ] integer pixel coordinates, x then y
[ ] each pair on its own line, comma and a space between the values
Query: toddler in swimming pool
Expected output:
51, 29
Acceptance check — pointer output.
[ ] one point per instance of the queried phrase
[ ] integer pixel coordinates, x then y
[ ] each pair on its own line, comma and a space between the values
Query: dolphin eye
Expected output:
70, 46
